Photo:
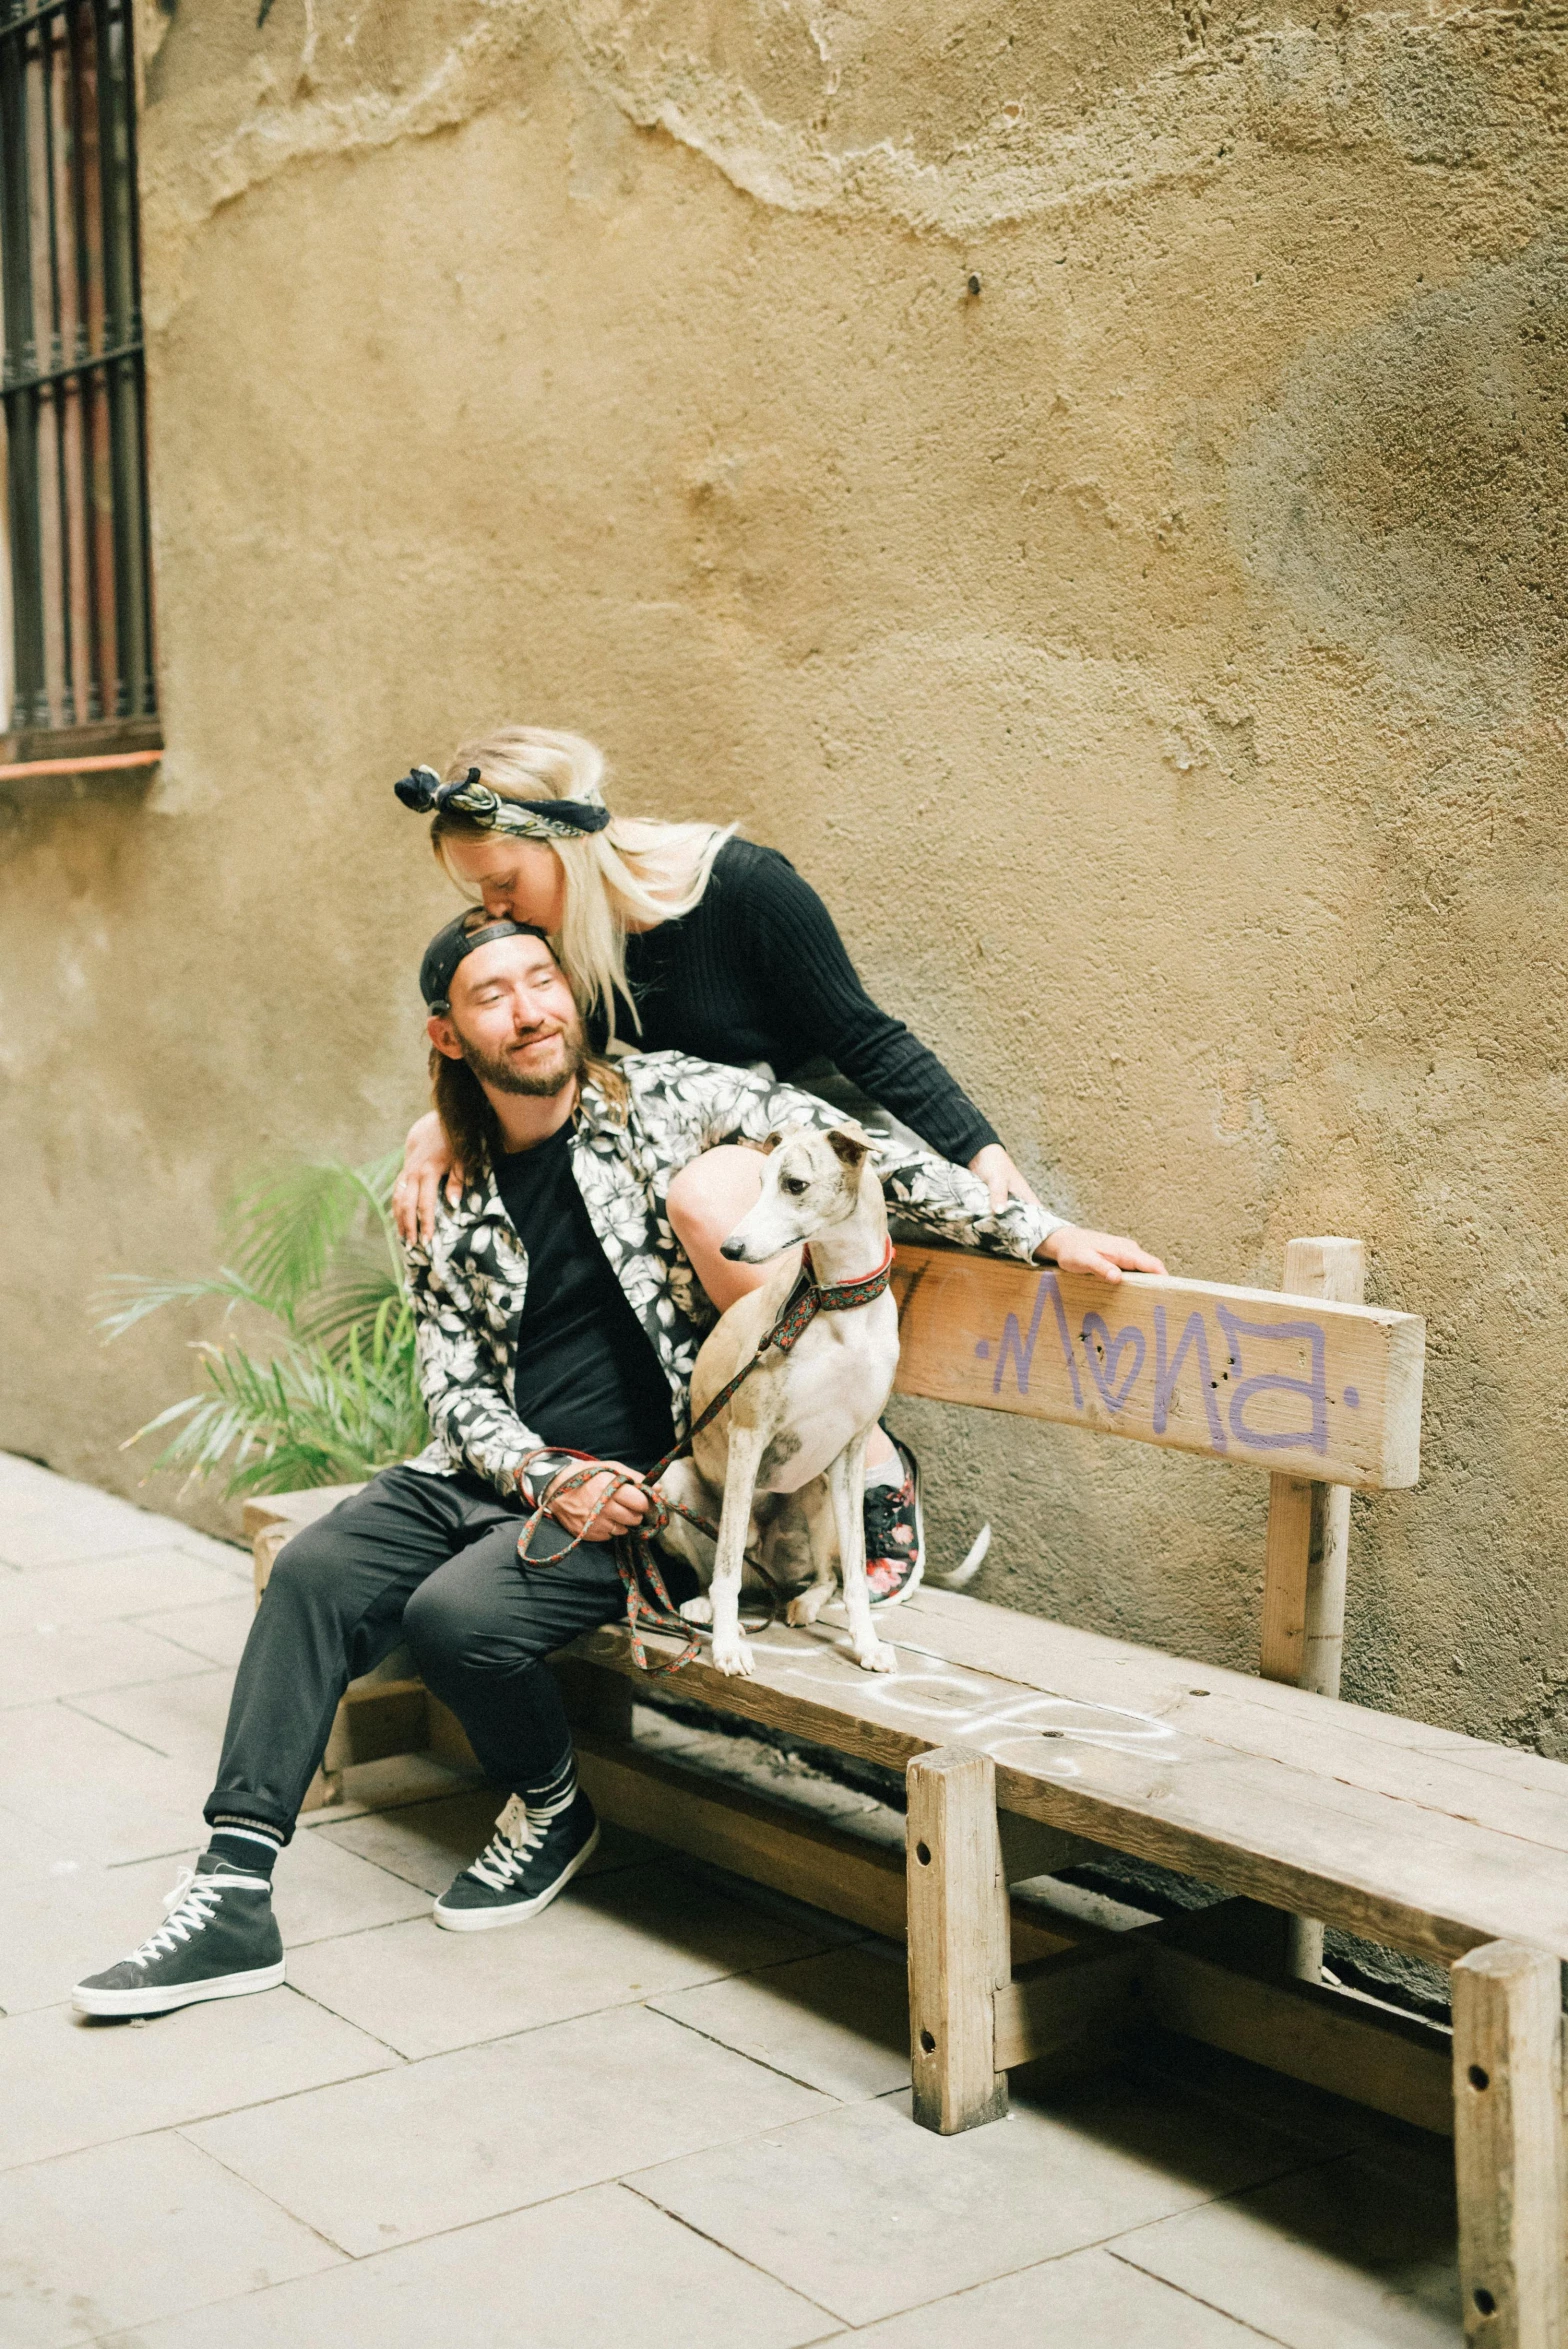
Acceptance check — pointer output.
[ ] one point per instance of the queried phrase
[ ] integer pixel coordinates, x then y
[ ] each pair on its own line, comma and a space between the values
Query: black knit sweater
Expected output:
758, 971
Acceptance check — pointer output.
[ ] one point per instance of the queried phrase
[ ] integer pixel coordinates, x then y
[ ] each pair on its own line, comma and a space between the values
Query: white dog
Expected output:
789, 1451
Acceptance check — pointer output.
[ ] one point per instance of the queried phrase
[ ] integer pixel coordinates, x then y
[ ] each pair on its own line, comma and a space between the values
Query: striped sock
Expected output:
249, 1844
555, 1794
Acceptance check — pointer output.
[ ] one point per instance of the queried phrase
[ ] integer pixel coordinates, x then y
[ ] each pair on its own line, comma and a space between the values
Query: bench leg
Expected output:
1508, 2151
958, 1939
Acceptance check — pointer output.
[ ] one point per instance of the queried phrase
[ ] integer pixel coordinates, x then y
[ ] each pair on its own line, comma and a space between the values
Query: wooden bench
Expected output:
1026, 1744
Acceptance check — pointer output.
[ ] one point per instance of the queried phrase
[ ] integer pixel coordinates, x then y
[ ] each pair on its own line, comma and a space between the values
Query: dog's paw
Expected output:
698, 1610
806, 1605
879, 1657
733, 1655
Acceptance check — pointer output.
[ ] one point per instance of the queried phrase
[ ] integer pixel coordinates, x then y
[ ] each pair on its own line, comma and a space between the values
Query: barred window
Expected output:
74, 389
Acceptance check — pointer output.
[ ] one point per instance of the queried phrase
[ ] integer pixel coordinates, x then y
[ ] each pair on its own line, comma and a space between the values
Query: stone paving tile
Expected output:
89, 1789
21, 1844
1359, 2253
840, 2021
51, 1661
21, 1477
1232, 2084
71, 2083
85, 1526
127, 2233
389, 1785
596, 2270
463, 2137
66, 1918
1087, 2298
72, 1597
428, 1842
217, 1631
232, 1558
182, 1719
869, 2216
47, 1519
605, 1942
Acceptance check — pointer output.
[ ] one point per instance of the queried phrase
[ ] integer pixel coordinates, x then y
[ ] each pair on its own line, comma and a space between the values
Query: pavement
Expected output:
672, 2110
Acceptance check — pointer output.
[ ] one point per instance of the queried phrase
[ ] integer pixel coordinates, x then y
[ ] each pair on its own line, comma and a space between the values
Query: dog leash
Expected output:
633, 1550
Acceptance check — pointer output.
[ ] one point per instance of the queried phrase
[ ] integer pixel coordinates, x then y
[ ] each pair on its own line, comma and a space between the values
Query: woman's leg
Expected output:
707, 1200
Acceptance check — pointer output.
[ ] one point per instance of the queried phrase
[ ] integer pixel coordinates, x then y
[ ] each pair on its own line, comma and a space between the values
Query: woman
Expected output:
683, 937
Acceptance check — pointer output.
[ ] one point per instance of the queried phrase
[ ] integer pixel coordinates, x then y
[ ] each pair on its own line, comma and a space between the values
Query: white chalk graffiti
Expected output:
1029, 1730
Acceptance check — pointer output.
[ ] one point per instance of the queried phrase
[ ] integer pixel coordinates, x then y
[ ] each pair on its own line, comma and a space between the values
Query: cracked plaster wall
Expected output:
1157, 660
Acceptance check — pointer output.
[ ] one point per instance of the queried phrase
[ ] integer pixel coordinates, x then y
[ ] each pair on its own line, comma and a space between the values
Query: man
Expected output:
558, 1319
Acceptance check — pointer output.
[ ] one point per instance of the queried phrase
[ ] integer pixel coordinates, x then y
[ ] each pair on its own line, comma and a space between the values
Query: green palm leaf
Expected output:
338, 1396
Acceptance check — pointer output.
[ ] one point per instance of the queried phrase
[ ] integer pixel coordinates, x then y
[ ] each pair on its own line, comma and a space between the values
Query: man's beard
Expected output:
506, 1078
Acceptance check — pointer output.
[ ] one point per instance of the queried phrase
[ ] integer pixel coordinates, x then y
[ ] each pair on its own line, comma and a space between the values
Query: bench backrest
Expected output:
1328, 1392
1310, 1384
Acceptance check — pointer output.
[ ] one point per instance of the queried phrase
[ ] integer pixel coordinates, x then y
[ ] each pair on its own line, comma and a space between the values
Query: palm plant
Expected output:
334, 1394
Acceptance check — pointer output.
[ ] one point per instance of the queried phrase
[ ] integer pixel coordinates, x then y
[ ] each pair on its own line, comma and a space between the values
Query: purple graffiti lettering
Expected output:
1193, 1334
1055, 1287
1019, 1346
1352, 1399
1101, 1344
1282, 1333
982, 1349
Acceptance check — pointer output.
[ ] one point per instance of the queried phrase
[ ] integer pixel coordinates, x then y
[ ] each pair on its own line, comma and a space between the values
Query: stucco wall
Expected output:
1156, 659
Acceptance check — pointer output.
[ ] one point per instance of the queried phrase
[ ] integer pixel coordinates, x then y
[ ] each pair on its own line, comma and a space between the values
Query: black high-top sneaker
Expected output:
520, 1870
895, 1534
218, 1939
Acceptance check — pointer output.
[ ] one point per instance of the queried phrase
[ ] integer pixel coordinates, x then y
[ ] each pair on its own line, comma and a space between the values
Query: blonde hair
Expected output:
636, 870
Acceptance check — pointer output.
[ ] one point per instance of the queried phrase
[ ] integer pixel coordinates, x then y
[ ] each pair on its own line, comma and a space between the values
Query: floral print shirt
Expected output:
468, 1286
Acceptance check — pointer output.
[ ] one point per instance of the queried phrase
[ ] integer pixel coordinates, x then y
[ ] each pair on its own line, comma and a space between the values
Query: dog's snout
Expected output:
733, 1250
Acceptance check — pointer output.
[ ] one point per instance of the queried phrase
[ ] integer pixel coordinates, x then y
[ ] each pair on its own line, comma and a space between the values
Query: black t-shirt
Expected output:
587, 1377
758, 971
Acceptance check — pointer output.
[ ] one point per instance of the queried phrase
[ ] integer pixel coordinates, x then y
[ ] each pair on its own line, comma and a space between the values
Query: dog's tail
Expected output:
971, 1565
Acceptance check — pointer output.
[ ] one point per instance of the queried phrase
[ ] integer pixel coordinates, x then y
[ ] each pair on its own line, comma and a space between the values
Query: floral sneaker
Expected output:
895, 1534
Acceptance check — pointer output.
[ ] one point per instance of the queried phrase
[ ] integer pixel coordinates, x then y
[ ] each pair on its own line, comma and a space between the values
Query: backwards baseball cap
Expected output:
447, 948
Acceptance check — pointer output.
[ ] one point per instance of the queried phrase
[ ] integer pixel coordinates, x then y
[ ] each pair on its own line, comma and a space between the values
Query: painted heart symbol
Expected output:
1104, 1354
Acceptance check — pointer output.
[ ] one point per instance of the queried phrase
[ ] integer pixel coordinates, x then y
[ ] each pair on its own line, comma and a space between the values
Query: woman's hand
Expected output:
1000, 1177
426, 1159
598, 1508
1100, 1253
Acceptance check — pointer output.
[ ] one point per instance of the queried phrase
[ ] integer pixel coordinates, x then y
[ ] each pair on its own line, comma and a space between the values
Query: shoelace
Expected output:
188, 1909
502, 1861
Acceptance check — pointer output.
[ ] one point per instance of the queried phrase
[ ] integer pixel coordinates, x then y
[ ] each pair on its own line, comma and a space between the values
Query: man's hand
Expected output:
1100, 1253
426, 1159
597, 1509
1000, 1177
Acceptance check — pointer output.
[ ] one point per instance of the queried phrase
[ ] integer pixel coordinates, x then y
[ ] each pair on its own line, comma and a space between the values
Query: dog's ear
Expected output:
852, 1148
768, 1147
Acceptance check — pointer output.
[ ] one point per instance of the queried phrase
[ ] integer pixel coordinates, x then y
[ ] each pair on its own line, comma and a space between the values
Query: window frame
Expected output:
82, 674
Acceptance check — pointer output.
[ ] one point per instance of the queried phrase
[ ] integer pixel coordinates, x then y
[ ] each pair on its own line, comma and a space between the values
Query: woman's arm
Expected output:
792, 941
427, 1156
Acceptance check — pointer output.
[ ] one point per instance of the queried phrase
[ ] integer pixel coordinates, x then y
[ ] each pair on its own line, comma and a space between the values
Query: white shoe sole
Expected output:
164, 2002
515, 1912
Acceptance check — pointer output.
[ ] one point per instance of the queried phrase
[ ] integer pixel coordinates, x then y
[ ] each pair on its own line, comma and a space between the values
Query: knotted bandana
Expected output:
526, 819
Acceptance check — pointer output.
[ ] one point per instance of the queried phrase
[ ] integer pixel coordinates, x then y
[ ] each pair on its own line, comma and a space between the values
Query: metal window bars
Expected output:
74, 388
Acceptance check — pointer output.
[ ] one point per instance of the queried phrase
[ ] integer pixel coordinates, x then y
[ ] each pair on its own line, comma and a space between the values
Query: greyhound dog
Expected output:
789, 1451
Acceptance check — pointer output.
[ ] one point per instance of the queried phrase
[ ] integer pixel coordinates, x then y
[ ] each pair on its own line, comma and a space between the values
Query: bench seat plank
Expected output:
1102, 1739
1430, 1768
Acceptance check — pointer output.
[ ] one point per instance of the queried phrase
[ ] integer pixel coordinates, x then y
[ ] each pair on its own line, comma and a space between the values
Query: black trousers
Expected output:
431, 1560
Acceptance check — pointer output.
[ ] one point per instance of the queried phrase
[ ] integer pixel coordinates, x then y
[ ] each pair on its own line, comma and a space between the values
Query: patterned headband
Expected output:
526, 819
